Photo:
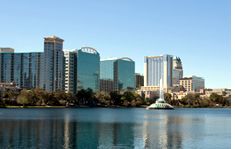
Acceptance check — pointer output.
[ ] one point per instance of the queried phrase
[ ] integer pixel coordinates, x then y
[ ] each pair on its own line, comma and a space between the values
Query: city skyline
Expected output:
201, 38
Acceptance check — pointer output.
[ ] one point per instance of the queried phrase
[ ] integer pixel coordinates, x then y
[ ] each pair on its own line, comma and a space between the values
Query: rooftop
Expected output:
6, 50
115, 58
158, 56
53, 37
89, 50
188, 78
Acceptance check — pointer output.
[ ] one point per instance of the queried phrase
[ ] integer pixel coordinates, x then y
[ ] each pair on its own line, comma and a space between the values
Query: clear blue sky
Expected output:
198, 31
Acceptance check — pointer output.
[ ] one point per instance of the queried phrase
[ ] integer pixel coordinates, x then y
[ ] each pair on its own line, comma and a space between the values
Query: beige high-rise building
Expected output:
192, 84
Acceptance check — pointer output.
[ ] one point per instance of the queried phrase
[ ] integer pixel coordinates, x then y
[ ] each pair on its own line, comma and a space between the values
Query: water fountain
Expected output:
160, 102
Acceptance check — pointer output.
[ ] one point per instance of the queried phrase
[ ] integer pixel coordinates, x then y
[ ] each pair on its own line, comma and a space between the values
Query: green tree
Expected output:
167, 97
51, 99
80, 97
103, 98
90, 97
10, 96
115, 98
40, 96
216, 98
85, 97
138, 100
60, 97
128, 98
191, 100
70, 99
2, 104
25, 97
204, 103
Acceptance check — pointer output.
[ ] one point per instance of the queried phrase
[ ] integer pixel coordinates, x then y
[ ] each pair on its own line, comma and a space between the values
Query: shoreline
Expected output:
114, 107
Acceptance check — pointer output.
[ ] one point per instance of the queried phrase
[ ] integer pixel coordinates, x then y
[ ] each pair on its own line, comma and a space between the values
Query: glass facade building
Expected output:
22, 68
18, 66
36, 67
177, 71
88, 69
119, 70
157, 67
53, 64
6, 67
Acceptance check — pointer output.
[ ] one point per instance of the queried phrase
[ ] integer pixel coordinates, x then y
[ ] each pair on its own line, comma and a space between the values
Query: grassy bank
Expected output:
113, 106
39, 107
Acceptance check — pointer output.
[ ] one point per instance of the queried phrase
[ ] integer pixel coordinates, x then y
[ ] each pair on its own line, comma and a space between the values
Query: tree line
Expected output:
196, 100
86, 97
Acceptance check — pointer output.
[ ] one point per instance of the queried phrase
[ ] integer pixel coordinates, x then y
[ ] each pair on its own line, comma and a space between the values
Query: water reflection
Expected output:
162, 134
139, 129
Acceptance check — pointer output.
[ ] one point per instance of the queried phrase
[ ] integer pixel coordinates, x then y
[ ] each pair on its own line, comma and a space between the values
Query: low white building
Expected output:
219, 91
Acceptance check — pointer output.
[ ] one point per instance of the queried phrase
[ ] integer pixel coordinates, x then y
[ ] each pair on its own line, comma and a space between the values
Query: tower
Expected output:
53, 64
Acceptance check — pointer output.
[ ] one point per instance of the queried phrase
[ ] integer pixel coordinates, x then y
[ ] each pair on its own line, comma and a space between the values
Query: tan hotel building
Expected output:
193, 84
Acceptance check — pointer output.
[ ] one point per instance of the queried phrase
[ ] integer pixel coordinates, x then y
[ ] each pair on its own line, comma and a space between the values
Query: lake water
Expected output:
105, 128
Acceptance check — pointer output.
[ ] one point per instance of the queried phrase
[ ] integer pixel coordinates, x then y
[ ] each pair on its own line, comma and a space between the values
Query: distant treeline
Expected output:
86, 97
194, 100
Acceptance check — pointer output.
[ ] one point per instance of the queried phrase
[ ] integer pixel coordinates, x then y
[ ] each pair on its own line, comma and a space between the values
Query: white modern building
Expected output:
157, 67
219, 91
70, 71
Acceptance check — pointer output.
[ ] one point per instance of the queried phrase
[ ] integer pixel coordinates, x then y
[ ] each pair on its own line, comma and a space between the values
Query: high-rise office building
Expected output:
6, 64
117, 74
70, 71
6, 67
156, 68
192, 84
88, 69
24, 69
37, 63
28, 70
177, 71
53, 64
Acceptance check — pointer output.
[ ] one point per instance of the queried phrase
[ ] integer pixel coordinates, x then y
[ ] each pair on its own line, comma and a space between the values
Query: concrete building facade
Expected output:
157, 67
139, 80
70, 71
192, 84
